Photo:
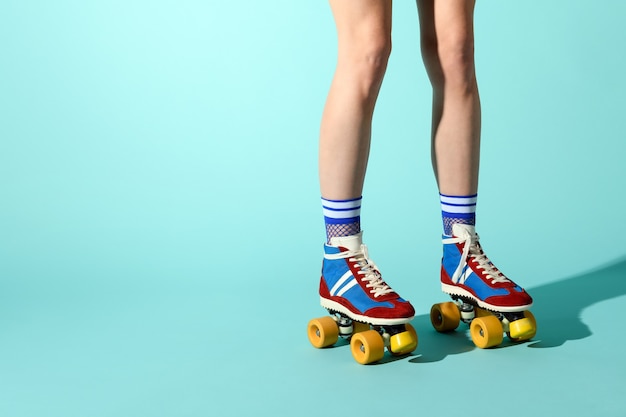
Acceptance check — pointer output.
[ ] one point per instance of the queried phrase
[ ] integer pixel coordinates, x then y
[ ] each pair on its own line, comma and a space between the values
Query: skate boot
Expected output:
483, 296
362, 305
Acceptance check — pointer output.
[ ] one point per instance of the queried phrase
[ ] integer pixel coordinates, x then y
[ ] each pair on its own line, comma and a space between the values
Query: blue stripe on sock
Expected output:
468, 203
458, 215
343, 209
336, 218
459, 205
330, 220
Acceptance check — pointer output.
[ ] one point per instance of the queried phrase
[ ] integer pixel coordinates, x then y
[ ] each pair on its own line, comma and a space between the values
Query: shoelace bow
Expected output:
367, 270
473, 251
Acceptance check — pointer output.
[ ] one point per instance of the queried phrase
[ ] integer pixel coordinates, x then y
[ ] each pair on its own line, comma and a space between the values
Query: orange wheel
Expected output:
367, 347
445, 317
403, 343
523, 329
323, 332
486, 331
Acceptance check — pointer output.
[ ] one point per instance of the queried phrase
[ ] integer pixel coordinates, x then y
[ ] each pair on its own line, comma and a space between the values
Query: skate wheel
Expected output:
486, 332
445, 317
323, 332
367, 347
359, 327
403, 343
523, 329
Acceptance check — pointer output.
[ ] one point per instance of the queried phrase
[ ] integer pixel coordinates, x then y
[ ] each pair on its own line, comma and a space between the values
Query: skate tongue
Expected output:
463, 230
352, 243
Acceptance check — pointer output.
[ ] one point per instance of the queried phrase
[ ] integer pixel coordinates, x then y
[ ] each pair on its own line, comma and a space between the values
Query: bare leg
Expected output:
447, 37
364, 36
448, 52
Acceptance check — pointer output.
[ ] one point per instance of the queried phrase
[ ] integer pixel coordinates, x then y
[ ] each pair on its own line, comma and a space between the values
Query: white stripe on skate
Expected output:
347, 287
341, 281
461, 280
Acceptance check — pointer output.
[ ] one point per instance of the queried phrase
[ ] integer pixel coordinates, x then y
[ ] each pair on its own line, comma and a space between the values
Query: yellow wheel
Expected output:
323, 332
367, 347
359, 327
445, 317
486, 331
523, 329
403, 343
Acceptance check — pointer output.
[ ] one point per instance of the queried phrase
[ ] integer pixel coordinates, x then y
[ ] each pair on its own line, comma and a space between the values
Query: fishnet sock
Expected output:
347, 229
449, 221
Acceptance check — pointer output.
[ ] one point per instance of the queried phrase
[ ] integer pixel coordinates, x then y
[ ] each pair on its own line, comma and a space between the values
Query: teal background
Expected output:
160, 225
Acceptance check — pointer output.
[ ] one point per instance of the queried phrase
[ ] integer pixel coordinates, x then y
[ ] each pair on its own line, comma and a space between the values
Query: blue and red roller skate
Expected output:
483, 297
363, 307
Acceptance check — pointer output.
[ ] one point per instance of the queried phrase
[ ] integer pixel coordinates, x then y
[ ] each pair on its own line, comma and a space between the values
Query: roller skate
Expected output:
483, 297
363, 308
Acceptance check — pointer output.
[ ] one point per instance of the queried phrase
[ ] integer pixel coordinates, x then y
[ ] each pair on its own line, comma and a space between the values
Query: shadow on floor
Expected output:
558, 307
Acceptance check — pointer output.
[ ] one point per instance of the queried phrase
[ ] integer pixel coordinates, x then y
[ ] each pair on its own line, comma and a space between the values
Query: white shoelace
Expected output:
471, 249
368, 270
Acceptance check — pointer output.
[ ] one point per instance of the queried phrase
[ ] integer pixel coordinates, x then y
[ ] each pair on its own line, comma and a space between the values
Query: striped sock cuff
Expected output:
458, 204
341, 211
457, 209
342, 217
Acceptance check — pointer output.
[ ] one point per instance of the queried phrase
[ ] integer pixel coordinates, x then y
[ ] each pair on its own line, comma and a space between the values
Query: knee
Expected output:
365, 63
452, 63
457, 64
375, 56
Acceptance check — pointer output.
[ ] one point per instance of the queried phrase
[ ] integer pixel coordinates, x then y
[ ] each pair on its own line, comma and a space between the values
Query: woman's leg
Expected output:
447, 38
364, 37
448, 52
364, 45
350, 283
